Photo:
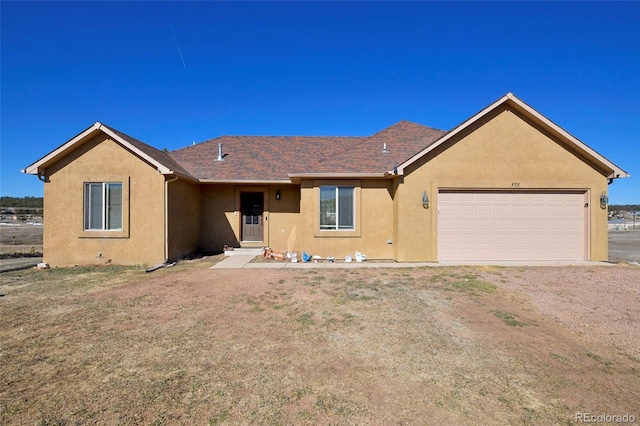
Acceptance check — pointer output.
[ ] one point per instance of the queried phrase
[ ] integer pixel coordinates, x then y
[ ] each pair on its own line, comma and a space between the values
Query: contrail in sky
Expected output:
177, 45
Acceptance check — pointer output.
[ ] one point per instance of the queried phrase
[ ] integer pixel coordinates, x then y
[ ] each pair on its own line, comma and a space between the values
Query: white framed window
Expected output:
103, 206
337, 208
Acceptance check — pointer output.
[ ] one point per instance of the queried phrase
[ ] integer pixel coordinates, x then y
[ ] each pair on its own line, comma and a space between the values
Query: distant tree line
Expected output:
29, 202
624, 207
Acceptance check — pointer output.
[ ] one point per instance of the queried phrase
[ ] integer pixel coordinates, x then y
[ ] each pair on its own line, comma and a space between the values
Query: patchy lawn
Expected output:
188, 344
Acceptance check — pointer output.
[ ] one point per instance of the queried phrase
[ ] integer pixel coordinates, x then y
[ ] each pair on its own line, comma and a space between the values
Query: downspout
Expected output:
166, 217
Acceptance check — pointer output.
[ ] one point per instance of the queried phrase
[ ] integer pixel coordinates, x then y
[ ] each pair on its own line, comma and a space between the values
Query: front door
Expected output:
252, 206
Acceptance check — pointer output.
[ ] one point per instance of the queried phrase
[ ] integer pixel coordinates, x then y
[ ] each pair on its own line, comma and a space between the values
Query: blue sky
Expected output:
173, 73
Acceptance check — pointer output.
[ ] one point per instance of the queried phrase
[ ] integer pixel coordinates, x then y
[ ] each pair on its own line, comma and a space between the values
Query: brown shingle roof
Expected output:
402, 140
159, 156
275, 157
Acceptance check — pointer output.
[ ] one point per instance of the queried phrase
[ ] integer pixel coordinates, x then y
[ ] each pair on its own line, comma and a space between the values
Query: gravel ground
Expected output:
624, 246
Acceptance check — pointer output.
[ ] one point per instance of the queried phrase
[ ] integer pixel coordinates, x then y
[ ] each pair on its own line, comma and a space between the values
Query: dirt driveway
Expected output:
192, 345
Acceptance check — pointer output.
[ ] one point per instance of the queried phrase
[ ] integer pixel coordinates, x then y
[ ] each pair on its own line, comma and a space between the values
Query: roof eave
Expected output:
296, 177
246, 181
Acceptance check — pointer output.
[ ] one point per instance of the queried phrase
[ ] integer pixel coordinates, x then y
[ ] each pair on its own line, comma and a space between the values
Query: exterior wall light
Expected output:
604, 200
425, 200
278, 194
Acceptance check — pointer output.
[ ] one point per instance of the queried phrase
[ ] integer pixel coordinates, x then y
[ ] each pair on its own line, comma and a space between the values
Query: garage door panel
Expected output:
501, 225
519, 224
483, 210
538, 239
518, 209
485, 225
465, 210
573, 225
500, 211
536, 211
466, 225
554, 225
517, 240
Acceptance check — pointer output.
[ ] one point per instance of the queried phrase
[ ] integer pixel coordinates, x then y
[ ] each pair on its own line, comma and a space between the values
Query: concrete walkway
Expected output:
244, 262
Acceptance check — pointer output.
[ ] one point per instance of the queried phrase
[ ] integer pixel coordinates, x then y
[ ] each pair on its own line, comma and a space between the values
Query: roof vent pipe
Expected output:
384, 148
220, 157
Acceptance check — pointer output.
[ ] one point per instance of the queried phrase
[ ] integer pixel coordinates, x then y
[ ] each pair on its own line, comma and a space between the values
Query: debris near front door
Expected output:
280, 255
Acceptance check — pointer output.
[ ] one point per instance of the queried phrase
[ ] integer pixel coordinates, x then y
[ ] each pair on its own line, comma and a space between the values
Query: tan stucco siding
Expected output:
221, 215
102, 160
502, 151
373, 227
284, 222
183, 218
291, 223
219, 223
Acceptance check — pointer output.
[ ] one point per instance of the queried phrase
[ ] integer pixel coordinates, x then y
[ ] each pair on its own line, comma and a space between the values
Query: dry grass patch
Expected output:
189, 345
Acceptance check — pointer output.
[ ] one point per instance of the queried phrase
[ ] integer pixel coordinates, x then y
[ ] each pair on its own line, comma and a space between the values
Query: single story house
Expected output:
506, 184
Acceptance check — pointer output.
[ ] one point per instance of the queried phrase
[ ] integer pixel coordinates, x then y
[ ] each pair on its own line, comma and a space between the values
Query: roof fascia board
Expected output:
246, 181
181, 176
338, 175
617, 172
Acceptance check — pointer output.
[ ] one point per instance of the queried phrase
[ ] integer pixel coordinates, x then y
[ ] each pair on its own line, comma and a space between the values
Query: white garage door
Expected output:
511, 225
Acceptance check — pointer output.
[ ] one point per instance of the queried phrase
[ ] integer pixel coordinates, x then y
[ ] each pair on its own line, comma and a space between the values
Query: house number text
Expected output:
515, 184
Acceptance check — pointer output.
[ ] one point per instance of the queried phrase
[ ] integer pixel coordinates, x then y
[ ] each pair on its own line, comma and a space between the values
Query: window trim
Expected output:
105, 207
314, 190
123, 231
338, 226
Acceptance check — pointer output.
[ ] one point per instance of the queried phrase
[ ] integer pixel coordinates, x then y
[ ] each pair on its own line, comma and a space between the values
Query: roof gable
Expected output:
512, 101
161, 160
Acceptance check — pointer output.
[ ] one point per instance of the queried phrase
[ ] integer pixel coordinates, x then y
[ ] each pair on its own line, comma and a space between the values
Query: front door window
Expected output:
252, 205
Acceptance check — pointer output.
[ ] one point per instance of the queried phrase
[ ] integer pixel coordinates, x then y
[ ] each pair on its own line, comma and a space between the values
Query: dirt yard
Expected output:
191, 345
19, 238
624, 246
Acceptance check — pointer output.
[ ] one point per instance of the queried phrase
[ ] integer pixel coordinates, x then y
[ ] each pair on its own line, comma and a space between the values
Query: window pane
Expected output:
93, 206
87, 208
345, 203
114, 206
327, 207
